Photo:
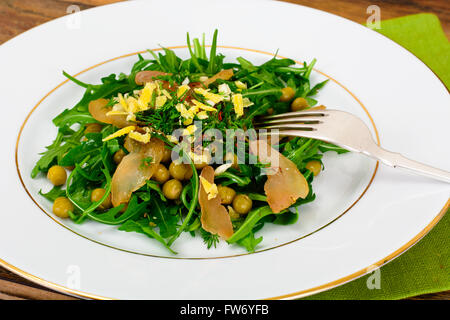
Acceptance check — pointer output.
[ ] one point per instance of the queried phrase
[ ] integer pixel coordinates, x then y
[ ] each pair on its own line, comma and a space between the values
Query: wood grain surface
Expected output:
17, 16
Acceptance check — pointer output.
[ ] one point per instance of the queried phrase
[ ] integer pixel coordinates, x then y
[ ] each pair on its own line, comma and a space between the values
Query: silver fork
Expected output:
345, 130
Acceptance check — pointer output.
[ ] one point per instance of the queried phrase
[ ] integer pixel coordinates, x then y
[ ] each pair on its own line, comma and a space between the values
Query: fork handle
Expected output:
395, 160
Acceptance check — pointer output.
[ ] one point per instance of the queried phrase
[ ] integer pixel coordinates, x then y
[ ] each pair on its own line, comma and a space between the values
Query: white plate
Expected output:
364, 215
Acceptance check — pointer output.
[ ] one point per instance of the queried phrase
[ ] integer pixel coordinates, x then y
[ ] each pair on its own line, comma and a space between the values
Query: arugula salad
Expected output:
169, 148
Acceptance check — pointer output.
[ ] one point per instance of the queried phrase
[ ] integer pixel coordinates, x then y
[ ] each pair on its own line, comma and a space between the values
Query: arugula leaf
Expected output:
145, 193
142, 226
169, 62
164, 217
79, 113
193, 55
250, 221
114, 216
71, 116
141, 63
249, 242
246, 65
233, 178
76, 190
325, 147
212, 68
286, 218
196, 224
65, 140
257, 197
304, 150
153, 185
54, 193
316, 88
91, 147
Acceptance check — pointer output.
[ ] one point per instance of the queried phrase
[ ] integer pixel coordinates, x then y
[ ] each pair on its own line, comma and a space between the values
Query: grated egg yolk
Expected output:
210, 188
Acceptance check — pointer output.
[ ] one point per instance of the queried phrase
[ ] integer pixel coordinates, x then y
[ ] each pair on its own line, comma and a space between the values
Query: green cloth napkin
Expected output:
425, 267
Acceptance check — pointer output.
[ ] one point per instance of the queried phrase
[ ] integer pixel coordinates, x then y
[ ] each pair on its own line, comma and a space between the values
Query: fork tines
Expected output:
301, 120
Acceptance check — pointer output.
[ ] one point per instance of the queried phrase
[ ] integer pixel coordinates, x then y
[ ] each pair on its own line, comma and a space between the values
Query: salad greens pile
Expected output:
89, 156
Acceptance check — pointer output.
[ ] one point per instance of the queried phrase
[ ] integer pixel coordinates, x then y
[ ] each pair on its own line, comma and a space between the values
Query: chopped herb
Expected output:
146, 162
209, 239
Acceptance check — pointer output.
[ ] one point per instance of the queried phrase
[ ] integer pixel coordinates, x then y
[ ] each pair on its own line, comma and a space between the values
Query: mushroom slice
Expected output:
133, 171
285, 183
98, 110
224, 75
146, 76
215, 217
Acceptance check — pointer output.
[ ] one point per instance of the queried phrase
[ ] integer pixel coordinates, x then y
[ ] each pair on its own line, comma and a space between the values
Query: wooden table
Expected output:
17, 16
